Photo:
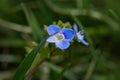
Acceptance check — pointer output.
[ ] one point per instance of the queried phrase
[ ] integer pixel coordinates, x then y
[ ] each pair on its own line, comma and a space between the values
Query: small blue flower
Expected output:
61, 37
80, 35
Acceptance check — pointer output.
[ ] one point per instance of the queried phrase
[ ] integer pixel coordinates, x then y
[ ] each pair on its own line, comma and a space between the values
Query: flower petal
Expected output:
75, 27
79, 35
64, 44
52, 29
52, 39
81, 38
68, 33
84, 42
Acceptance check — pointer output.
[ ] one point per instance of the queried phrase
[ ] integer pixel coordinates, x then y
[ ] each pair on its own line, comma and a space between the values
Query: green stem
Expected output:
63, 71
14, 26
92, 49
34, 68
90, 69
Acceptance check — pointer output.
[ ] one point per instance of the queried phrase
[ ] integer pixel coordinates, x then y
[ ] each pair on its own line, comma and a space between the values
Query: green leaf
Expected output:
37, 32
60, 23
25, 65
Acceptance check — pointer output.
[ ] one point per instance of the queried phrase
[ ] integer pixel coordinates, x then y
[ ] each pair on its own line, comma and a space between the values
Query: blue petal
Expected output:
64, 44
75, 27
81, 38
52, 29
52, 39
68, 33
84, 42
79, 35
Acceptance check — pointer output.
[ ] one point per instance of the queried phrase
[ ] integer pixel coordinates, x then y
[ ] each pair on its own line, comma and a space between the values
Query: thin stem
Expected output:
34, 68
16, 27
92, 49
90, 69
63, 71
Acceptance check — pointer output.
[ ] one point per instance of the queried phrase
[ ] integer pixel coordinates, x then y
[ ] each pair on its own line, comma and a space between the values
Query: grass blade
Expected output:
37, 32
25, 65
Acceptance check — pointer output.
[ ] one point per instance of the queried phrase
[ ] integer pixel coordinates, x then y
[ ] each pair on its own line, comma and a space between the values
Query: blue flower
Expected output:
80, 35
61, 37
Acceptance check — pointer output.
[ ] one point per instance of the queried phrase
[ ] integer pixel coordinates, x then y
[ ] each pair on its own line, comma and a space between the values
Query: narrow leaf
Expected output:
25, 65
36, 30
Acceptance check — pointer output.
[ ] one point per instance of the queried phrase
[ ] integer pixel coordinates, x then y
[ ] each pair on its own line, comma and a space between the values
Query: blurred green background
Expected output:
22, 21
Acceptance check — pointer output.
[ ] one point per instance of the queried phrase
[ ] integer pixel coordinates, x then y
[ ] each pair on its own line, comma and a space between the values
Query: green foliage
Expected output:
22, 22
37, 33
25, 65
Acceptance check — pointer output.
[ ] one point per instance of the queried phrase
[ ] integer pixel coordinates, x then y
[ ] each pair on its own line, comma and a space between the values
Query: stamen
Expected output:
60, 36
81, 32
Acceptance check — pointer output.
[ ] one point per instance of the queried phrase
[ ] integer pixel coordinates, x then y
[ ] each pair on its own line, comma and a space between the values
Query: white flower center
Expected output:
60, 36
